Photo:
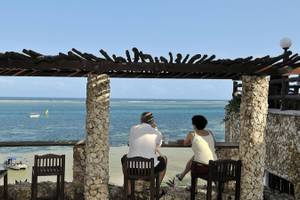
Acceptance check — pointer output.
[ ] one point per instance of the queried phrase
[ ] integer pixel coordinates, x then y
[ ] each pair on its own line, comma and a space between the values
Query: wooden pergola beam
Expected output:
77, 64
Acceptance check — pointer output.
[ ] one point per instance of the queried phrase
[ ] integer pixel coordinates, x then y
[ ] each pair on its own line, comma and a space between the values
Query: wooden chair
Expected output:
220, 172
49, 165
139, 168
3, 174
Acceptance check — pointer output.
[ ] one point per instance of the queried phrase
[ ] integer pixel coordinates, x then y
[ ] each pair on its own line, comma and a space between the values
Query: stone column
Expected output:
97, 144
254, 109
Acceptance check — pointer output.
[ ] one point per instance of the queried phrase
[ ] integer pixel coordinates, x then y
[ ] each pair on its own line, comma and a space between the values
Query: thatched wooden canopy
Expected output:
254, 107
137, 64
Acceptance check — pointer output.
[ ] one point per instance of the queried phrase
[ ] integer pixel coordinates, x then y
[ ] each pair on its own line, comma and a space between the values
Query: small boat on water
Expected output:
13, 163
34, 115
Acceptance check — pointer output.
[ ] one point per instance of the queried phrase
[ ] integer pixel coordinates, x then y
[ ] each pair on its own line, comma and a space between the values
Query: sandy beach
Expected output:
177, 159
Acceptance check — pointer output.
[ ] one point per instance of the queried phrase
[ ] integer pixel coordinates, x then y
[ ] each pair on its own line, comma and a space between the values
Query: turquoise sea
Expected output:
66, 118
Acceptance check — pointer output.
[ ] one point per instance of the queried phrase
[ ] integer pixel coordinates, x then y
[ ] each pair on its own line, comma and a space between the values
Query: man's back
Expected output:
143, 141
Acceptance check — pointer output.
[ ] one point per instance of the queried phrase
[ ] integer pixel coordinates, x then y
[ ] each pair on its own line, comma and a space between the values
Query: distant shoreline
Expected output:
83, 99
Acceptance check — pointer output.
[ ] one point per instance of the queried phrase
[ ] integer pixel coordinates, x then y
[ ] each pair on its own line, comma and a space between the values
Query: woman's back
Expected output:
203, 147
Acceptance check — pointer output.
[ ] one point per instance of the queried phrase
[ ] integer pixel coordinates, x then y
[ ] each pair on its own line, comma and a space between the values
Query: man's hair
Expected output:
199, 122
147, 117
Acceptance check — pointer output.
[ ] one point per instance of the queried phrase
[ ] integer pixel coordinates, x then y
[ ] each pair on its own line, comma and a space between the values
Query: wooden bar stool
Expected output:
49, 165
3, 174
220, 172
139, 168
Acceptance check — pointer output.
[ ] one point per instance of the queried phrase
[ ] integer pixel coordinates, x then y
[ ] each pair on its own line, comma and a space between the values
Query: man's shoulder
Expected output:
142, 125
138, 126
145, 127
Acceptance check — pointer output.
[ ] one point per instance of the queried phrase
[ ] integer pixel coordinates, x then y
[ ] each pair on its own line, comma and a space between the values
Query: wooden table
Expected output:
3, 174
219, 145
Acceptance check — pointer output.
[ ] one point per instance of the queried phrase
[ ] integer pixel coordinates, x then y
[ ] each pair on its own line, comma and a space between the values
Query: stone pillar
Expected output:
97, 144
254, 109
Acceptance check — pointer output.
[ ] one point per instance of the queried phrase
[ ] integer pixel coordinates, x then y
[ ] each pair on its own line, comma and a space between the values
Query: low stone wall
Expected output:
282, 143
225, 153
46, 190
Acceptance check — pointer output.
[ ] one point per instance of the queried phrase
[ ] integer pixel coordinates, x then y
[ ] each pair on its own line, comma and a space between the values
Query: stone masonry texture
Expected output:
97, 142
254, 108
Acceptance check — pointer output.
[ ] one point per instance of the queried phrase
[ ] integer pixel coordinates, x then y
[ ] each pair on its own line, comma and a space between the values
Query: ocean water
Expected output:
66, 118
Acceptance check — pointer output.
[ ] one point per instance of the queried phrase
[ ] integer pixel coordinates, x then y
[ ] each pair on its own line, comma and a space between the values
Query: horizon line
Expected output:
115, 98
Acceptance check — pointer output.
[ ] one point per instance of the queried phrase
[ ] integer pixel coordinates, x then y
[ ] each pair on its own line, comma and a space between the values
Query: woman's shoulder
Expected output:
209, 131
211, 134
191, 133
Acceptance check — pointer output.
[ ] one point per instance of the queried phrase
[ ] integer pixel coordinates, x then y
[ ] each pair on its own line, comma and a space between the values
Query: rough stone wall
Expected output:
232, 128
253, 115
282, 145
47, 190
97, 144
226, 153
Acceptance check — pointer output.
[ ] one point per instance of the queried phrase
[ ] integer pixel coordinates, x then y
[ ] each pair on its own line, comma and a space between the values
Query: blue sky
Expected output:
229, 29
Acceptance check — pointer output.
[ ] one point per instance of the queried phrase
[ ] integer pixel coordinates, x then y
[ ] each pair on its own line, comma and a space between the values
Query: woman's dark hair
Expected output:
199, 122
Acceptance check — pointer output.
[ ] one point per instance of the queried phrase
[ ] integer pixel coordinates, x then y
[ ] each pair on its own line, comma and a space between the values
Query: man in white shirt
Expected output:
145, 141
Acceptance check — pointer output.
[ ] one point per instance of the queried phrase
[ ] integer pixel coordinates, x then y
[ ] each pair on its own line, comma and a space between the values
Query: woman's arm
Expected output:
188, 139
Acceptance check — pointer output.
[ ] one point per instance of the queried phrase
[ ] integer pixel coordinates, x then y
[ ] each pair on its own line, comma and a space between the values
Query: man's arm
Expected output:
159, 138
158, 142
130, 136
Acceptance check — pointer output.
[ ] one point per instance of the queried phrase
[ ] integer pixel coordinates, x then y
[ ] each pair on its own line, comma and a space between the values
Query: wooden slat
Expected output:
78, 64
218, 145
276, 81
